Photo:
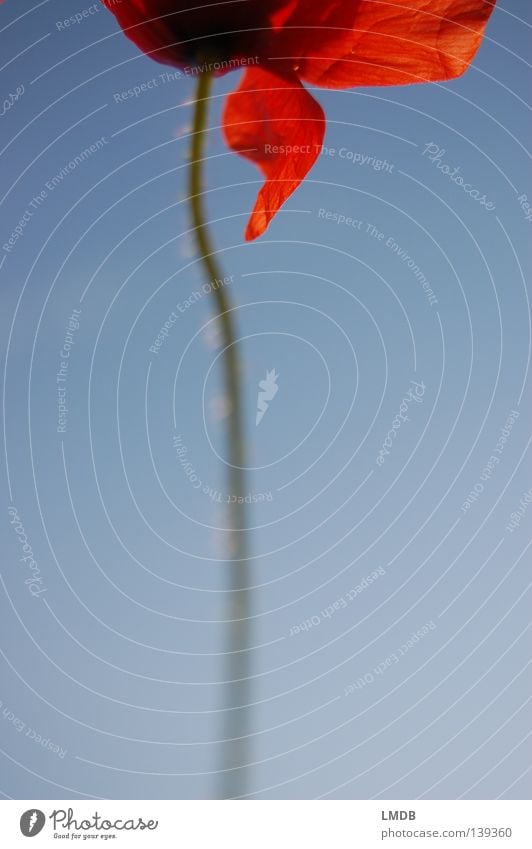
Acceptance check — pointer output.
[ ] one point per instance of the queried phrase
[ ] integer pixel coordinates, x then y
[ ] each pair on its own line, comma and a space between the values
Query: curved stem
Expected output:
235, 758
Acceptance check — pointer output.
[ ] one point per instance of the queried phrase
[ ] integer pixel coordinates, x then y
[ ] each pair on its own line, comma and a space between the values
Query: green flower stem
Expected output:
233, 781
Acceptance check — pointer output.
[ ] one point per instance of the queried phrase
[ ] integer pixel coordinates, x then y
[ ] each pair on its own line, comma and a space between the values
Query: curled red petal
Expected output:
341, 44
273, 121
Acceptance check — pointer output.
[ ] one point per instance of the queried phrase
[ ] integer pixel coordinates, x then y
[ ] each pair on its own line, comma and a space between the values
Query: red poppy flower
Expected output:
271, 118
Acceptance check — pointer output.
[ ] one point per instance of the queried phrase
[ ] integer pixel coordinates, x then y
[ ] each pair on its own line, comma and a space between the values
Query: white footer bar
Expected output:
268, 824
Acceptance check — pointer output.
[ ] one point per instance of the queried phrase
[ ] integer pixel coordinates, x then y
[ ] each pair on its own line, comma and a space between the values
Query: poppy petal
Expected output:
150, 28
181, 32
382, 42
273, 121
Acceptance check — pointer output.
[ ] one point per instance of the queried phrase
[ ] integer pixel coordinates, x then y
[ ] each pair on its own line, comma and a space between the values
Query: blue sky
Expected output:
120, 662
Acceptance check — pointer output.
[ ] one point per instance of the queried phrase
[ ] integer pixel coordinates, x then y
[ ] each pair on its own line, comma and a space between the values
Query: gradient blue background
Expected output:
120, 662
